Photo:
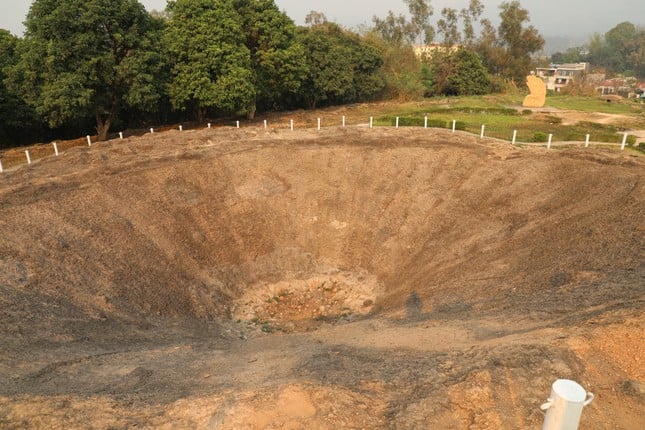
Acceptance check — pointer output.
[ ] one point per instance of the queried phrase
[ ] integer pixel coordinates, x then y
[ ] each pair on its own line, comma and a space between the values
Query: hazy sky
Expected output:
572, 18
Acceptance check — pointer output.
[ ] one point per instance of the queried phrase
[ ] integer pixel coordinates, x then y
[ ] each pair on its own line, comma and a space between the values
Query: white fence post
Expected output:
1, 168
318, 123
514, 136
181, 128
425, 122
454, 125
209, 125
55, 148
344, 119
152, 130
237, 124
564, 405
28, 157
371, 122
548, 145
397, 122
622, 145
481, 135
265, 124
89, 140
291, 122
121, 135
587, 141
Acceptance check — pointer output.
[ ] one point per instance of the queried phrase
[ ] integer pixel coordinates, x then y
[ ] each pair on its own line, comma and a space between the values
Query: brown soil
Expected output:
347, 278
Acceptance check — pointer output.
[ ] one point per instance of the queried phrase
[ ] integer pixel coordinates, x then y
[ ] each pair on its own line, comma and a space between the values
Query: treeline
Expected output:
92, 64
620, 51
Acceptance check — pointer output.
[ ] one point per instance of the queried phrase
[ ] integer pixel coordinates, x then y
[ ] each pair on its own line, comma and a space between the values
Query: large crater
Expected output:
266, 233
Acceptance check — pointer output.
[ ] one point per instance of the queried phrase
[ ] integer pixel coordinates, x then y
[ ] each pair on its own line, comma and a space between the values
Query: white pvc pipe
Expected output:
397, 122
237, 124
622, 145
121, 135
89, 140
371, 122
343, 120
55, 148
548, 145
209, 125
181, 128
291, 122
318, 123
425, 122
152, 130
481, 135
28, 157
454, 125
587, 141
1, 168
514, 136
265, 124
564, 405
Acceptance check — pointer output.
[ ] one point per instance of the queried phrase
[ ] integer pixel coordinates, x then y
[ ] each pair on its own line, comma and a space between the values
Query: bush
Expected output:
527, 112
539, 136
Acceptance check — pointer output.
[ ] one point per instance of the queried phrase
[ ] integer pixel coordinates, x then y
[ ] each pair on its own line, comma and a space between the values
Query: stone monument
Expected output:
537, 97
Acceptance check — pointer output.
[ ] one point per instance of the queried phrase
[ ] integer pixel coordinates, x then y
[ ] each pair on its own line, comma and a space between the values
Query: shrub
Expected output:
539, 136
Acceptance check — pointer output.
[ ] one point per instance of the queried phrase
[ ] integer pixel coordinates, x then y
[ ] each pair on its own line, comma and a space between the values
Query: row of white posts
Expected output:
343, 123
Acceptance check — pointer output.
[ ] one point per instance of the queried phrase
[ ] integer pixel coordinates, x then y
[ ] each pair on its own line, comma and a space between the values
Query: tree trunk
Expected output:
250, 114
201, 114
103, 127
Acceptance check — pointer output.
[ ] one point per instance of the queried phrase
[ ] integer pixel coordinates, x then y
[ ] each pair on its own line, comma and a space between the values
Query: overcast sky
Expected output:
570, 18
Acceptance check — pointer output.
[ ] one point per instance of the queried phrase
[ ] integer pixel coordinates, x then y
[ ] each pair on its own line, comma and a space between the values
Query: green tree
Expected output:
420, 13
507, 51
276, 57
210, 63
15, 115
621, 50
571, 55
86, 58
394, 29
470, 16
469, 76
448, 27
341, 68
456, 74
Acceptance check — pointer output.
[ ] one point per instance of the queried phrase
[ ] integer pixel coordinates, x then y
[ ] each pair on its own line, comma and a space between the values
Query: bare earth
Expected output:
347, 278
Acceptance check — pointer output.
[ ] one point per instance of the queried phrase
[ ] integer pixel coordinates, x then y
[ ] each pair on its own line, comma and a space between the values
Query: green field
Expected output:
502, 115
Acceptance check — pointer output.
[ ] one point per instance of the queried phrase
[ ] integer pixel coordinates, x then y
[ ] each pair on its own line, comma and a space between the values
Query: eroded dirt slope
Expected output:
348, 278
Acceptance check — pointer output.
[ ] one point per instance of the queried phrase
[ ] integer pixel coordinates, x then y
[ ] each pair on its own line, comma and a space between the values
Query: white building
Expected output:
560, 75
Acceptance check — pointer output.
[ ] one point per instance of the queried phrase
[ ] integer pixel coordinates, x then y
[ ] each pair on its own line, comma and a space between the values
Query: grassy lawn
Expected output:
596, 104
502, 115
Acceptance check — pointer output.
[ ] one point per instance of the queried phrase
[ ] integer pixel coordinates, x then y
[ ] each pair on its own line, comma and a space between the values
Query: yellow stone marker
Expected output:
537, 98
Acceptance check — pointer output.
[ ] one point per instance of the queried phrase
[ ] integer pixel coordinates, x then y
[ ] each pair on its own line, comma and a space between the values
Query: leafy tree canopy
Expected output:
211, 65
341, 67
83, 58
277, 58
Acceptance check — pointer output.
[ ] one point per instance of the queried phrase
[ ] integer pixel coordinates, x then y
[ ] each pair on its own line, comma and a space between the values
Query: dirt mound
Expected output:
434, 278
